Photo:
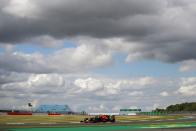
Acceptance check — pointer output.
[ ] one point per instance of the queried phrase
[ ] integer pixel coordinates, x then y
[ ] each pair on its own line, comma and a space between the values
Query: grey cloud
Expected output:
164, 28
189, 65
8, 77
71, 18
173, 52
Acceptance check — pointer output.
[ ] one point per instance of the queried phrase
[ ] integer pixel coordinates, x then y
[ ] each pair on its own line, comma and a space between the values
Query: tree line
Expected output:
183, 107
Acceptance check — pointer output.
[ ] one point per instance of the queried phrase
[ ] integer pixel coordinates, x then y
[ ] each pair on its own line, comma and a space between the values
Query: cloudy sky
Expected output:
97, 55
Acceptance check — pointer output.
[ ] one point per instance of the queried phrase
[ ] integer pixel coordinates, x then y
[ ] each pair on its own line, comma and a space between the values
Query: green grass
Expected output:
132, 118
72, 118
40, 119
86, 127
109, 128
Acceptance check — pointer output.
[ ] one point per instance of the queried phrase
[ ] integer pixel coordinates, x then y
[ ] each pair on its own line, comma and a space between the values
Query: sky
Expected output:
97, 55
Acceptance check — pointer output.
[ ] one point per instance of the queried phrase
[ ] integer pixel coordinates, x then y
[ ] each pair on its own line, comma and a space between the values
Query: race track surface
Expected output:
173, 129
151, 125
141, 122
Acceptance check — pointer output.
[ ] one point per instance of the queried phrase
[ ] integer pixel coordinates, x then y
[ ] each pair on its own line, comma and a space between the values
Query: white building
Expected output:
129, 112
94, 114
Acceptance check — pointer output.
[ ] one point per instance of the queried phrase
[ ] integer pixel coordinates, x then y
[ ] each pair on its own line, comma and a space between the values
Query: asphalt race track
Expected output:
94, 124
152, 125
173, 129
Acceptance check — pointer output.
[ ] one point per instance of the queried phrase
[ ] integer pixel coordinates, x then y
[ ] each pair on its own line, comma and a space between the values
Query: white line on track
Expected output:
158, 120
46, 123
74, 122
15, 123
170, 119
125, 121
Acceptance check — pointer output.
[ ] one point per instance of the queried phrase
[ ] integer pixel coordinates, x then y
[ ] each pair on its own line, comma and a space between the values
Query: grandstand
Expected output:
63, 109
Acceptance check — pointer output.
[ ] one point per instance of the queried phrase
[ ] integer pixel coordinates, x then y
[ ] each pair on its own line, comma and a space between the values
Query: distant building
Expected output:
129, 111
53, 108
94, 114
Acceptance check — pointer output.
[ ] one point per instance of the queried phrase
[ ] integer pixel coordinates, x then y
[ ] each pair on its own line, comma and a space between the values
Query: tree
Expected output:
182, 107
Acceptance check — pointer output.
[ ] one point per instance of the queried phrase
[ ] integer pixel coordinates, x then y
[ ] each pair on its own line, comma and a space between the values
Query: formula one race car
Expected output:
99, 118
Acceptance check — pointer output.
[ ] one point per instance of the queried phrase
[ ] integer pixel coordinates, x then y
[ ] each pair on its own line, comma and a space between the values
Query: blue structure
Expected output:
54, 108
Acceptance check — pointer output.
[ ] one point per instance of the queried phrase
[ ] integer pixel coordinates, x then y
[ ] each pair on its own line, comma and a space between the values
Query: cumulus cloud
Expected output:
164, 94
40, 88
100, 108
36, 83
89, 84
110, 86
189, 65
95, 92
67, 60
44, 80
9, 77
136, 93
22, 8
188, 87
35, 103
157, 29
